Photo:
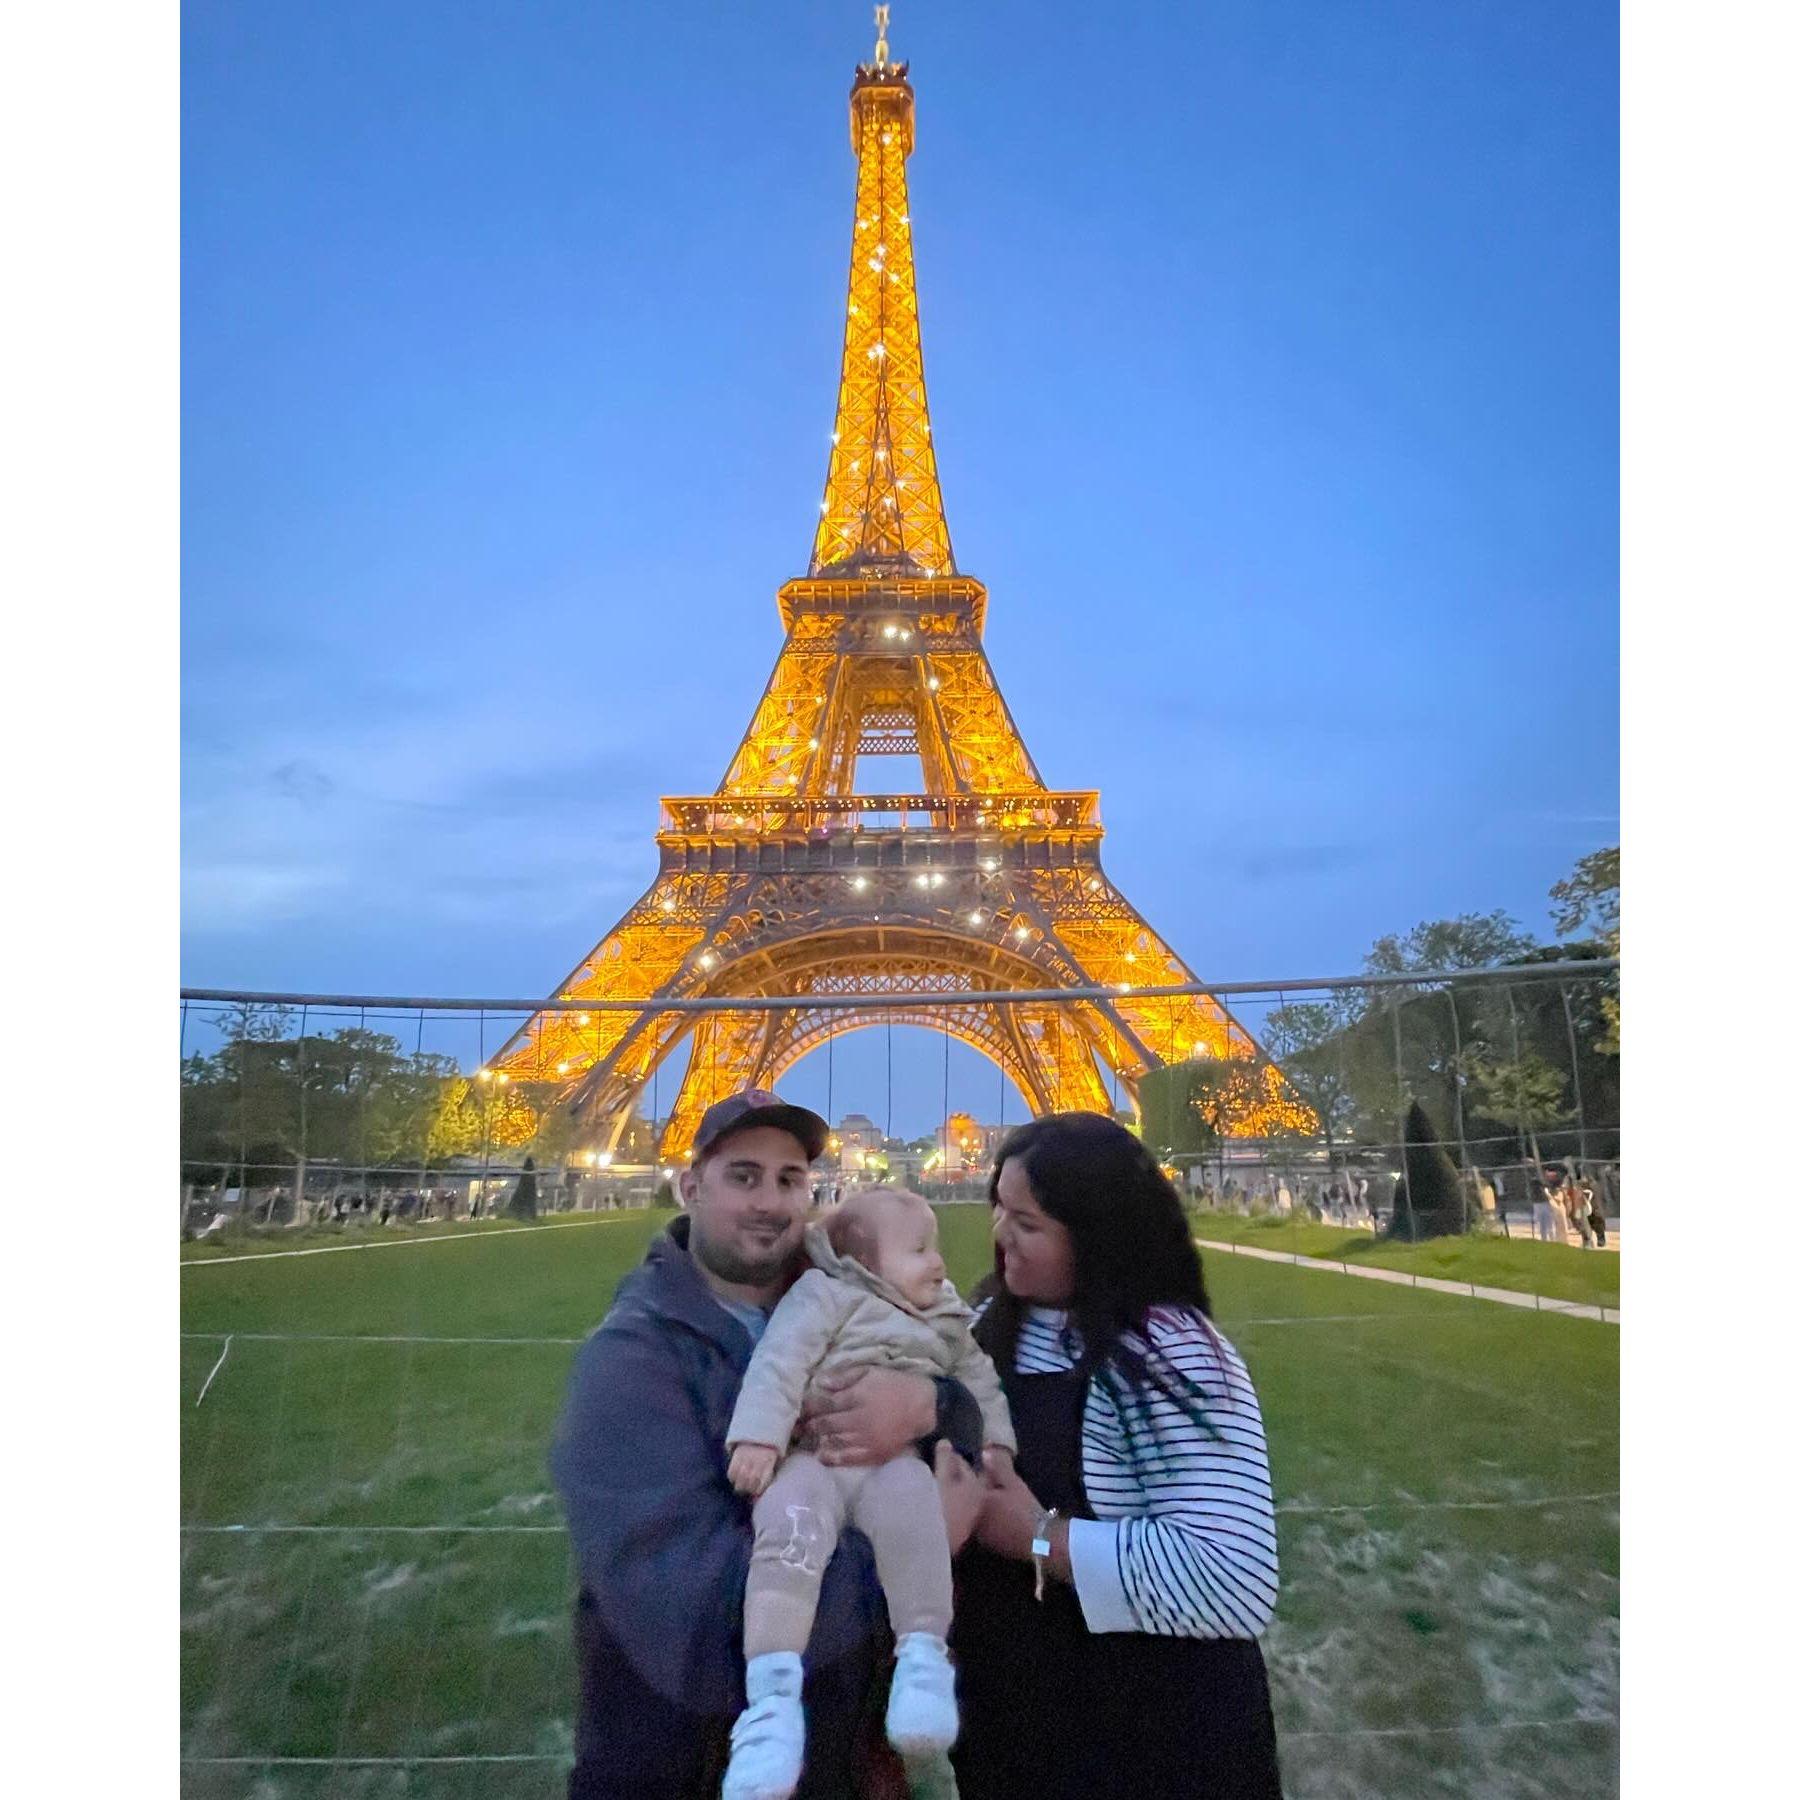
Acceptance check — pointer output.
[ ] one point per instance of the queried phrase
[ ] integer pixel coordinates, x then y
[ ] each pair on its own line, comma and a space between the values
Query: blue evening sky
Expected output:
1272, 355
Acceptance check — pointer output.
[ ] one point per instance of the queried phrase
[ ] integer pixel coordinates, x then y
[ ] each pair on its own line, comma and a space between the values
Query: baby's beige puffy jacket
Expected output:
839, 1316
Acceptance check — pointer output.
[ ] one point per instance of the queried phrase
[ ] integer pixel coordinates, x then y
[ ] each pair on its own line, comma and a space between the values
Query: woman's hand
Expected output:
1009, 1512
867, 1416
961, 1493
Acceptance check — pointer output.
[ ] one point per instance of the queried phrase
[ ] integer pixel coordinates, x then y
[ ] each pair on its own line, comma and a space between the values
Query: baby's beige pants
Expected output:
798, 1521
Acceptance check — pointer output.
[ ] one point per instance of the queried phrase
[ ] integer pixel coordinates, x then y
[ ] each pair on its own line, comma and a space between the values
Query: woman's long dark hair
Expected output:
1133, 1252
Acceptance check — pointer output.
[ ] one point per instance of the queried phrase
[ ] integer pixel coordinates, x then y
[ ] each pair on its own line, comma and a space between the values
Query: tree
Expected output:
637, 1140
350, 1097
1435, 1032
1317, 1045
558, 1133
1469, 941
1588, 899
1188, 1109
1525, 1090
1173, 1124
239, 1110
471, 1117
456, 1122
1428, 1200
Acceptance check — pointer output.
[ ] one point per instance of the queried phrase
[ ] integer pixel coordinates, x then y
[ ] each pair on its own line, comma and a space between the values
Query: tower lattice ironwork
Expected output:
787, 882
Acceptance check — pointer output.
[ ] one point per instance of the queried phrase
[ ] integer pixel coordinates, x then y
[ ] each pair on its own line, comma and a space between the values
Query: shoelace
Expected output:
753, 1726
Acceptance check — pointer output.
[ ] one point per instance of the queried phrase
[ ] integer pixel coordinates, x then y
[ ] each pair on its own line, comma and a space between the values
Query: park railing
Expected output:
1415, 1093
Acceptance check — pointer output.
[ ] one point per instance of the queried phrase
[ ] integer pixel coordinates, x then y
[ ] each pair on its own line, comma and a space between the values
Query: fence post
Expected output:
1402, 1185
1532, 1164
477, 1206
243, 1162
1456, 1091
1575, 1074
300, 1154
425, 1135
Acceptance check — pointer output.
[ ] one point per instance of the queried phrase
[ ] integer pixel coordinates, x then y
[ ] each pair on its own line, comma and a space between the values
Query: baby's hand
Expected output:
752, 1467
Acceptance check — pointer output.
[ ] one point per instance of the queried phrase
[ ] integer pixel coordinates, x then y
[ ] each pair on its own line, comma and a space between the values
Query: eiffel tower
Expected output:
786, 881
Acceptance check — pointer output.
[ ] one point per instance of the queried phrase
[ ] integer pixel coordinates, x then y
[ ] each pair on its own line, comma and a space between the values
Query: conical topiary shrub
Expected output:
1428, 1198
523, 1204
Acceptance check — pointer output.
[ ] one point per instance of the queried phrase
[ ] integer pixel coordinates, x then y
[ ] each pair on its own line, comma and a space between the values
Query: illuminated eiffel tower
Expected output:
786, 881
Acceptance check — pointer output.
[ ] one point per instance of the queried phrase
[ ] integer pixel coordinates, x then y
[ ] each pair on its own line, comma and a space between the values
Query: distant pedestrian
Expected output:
1542, 1224
1579, 1201
1596, 1213
1556, 1193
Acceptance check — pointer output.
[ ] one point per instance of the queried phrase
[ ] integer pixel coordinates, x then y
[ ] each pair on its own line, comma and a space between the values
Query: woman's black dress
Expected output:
1052, 1711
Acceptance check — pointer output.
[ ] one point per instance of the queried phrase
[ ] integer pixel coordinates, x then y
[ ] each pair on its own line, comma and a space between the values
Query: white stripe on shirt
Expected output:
1183, 1544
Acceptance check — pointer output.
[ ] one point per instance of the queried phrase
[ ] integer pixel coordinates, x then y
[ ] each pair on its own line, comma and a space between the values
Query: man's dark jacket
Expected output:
662, 1546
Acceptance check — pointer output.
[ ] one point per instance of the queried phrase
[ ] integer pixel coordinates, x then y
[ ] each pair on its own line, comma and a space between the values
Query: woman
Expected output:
1124, 1662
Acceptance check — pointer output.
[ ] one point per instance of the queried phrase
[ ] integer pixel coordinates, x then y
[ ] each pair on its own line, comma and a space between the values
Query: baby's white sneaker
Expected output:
921, 1714
768, 1742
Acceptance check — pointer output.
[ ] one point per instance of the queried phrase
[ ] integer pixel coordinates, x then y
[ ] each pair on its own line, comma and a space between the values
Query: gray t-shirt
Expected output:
753, 1319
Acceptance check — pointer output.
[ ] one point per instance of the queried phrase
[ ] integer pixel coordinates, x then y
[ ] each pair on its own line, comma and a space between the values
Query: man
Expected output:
662, 1541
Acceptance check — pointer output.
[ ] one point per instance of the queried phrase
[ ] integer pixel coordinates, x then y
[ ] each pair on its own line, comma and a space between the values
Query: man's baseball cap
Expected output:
757, 1106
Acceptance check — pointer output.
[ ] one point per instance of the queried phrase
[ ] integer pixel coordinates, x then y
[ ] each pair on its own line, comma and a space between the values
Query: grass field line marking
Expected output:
353, 1762
389, 1762
1356, 1506
1384, 1731
1573, 1309
375, 1337
215, 1369
364, 1337
1363, 1318
1451, 1505
453, 1237
363, 1530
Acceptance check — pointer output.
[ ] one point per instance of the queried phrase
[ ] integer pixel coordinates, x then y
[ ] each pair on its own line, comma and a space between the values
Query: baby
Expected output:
876, 1297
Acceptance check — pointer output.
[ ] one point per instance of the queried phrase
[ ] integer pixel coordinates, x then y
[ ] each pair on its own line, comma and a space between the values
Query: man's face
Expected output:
748, 1201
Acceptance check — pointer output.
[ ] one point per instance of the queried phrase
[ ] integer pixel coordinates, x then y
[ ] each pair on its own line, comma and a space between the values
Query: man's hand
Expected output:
997, 1460
752, 1467
867, 1416
959, 1492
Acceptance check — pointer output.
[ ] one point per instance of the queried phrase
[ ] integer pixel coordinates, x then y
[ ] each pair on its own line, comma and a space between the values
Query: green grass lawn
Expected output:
1446, 1470
1557, 1271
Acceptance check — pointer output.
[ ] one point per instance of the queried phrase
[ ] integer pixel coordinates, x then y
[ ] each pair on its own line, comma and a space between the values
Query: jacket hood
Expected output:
668, 1284
948, 1304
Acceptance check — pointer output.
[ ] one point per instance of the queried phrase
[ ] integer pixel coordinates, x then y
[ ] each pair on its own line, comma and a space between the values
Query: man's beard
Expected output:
729, 1263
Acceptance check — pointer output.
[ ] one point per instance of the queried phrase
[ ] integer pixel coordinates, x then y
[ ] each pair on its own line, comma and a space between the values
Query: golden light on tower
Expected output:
786, 881
882, 505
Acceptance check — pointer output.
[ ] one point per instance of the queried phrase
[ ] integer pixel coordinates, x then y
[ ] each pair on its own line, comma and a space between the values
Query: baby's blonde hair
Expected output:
855, 1227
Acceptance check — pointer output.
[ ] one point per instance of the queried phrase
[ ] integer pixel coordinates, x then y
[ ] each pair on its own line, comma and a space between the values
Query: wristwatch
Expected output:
1040, 1548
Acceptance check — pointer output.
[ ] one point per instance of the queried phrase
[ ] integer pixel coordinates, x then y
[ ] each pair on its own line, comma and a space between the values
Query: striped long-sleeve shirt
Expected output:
1184, 1541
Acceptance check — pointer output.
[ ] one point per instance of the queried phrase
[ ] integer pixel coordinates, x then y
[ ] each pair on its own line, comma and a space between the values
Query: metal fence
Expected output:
374, 1575
356, 1111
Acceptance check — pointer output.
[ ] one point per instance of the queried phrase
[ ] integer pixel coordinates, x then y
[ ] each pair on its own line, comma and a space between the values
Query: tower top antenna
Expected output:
881, 43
